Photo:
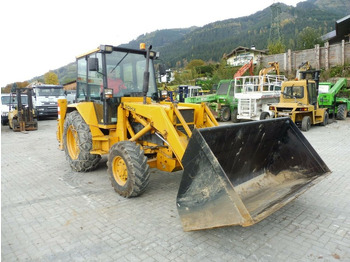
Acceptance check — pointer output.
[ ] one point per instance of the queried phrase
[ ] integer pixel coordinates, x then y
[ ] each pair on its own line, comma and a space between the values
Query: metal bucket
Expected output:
239, 174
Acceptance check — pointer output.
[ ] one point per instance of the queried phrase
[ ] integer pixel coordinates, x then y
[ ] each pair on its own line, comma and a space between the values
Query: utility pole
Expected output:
275, 34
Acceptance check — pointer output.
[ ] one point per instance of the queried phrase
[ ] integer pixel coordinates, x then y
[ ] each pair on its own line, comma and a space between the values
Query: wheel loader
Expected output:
236, 174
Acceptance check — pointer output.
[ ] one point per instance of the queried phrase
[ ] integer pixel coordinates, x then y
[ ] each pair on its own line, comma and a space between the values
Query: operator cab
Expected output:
109, 73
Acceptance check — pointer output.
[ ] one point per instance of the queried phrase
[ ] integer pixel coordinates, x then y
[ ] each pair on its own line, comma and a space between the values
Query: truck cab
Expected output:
45, 99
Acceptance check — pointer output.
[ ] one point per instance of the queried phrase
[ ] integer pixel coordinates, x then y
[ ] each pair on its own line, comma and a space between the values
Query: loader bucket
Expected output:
241, 173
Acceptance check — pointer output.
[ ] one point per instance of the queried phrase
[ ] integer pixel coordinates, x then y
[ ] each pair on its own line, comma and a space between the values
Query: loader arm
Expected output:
166, 119
342, 82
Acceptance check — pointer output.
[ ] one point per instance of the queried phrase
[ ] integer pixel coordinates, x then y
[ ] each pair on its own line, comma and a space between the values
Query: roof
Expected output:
342, 30
240, 49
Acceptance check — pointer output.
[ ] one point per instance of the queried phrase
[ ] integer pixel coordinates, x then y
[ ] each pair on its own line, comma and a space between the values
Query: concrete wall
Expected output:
319, 57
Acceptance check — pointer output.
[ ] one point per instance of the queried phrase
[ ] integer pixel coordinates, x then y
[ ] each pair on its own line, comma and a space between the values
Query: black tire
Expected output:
234, 114
128, 169
225, 114
306, 123
342, 112
325, 119
15, 125
265, 115
77, 141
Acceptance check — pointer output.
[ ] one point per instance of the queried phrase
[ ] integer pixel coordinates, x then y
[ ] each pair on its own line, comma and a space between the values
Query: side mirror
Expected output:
93, 64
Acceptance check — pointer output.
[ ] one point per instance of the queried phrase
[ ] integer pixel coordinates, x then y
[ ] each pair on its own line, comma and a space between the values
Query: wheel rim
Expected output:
72, 143
120, 171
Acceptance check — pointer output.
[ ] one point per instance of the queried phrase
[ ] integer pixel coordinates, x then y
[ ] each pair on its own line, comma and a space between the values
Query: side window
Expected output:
95, 80
81, 79
312, 93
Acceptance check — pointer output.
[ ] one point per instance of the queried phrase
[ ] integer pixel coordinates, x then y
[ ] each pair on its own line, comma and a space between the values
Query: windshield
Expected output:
293, 92
12, 100
49, 91
323, 88
223, 88
125, 72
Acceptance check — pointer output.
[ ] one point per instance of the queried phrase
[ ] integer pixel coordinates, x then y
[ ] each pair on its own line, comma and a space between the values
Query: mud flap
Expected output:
241, 173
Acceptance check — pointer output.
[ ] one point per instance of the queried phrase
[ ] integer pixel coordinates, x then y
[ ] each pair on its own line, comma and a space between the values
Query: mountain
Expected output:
160, 38
213, 40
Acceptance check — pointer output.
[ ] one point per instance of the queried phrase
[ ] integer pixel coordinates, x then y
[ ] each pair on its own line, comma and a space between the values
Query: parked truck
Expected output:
45, 98
335, 97
232, 175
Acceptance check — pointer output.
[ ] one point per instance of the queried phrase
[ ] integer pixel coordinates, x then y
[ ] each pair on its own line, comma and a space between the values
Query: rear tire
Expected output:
15, 125
77, 141
128, 169
306, 123
325, 119
341, 112
234, 114
264, 115
225, 114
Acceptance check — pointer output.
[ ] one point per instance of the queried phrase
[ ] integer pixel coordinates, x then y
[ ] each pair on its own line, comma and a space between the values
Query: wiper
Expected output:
121, 60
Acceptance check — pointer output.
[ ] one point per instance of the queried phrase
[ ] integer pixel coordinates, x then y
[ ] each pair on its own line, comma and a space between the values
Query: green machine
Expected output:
335, 97
222, 104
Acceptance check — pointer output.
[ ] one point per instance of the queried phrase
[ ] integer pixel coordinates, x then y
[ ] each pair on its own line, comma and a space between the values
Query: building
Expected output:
341, 32
242, 55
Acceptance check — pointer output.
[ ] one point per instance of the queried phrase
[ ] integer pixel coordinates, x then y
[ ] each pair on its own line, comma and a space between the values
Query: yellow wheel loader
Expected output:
235, 174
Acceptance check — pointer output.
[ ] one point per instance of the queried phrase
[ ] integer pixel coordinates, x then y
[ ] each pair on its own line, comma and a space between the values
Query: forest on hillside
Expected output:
279, 23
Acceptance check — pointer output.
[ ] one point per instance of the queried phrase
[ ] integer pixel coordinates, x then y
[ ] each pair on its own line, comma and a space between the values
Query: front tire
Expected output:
306, 123
128, 169
234, 116
77, 141
225, 114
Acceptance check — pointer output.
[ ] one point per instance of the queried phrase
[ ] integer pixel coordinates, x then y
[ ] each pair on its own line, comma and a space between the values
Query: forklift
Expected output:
22, 117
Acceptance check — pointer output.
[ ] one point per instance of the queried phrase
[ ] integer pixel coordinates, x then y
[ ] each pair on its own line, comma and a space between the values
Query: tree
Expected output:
195, 63
308, 38
51, 78
276, 47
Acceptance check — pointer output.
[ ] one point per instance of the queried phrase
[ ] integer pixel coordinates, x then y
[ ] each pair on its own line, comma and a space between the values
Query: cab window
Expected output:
293, 92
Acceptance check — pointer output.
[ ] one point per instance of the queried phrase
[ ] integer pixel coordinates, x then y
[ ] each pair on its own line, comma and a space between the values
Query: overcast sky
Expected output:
42, 35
